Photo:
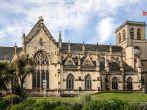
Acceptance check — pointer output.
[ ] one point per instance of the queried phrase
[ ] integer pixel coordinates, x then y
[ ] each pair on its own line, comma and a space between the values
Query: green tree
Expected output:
23, 67
6, 74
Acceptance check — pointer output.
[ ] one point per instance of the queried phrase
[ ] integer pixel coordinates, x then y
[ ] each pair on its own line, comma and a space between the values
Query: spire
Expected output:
23, 38
41, 19
60, 39
69, 49
15, 49
97, 46
79, 61
83, 47
110, 48
106, 63
23, 42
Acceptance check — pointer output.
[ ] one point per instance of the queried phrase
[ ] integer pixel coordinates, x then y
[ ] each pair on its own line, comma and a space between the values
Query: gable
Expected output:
69, 61
36, 29
88, 61
40, 38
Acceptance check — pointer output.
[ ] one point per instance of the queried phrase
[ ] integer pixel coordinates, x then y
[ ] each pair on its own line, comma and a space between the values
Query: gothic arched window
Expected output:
129, 84
132, 33
139, 34
41, 58
142, 81
119, 37
70, 82
87, 82
124, 35
115, 83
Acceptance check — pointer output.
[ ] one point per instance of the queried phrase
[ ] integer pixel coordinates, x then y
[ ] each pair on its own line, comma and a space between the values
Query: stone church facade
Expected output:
73, 68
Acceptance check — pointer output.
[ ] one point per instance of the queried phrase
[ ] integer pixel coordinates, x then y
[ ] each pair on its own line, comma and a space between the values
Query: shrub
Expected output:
26, 105
105, 105
94, 105
77, 106
63, 107
85, 98
3, 105
113, 105
12, 99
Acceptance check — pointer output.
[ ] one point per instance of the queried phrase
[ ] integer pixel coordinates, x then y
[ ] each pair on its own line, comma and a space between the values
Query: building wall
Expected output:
33, 46
58, 73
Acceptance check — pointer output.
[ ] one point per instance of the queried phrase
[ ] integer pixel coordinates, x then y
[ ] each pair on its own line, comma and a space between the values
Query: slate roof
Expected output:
89, 47
6, 53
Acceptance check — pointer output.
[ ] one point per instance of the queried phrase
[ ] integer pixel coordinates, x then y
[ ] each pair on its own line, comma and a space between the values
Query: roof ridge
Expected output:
91, 44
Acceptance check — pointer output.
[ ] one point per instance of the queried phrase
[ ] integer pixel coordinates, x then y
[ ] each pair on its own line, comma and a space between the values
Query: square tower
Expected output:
130, 29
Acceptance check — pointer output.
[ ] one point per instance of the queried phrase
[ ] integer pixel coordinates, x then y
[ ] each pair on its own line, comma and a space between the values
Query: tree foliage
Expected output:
14, 74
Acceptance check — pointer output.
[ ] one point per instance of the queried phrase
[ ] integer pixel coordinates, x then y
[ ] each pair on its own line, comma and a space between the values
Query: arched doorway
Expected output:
129, 84
115, 83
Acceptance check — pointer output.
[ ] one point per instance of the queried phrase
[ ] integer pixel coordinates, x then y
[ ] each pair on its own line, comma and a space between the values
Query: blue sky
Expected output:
90, 21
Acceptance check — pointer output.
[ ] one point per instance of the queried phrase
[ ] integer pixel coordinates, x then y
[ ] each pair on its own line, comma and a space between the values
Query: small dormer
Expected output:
134, 30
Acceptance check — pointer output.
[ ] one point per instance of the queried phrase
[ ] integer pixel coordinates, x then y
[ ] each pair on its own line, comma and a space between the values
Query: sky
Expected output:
90, 21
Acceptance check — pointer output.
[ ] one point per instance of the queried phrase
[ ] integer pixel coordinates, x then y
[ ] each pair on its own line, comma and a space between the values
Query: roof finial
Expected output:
41, 18
69, 47
60, 39
83, 47
110, 48
15, 49
23, 35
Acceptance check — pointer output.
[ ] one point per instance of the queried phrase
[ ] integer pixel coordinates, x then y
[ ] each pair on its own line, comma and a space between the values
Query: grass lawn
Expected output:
129, 97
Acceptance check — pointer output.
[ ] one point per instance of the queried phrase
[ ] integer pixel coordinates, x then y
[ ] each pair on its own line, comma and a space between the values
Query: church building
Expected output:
73, 68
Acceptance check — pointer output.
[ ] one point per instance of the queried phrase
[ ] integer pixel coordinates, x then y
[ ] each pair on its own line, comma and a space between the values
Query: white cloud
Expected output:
104, 29
62, 15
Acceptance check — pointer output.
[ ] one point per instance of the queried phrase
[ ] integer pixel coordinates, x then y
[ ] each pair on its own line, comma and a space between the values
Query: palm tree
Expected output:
23, 67
6, 74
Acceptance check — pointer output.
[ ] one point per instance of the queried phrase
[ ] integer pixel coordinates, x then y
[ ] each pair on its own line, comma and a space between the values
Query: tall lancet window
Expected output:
124, 35
132, 33
42, 72
87, 82
70, 82
138, 34
115, 83
119, 37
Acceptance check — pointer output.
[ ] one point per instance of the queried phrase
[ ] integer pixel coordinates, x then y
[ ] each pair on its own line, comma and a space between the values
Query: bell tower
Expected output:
131, 37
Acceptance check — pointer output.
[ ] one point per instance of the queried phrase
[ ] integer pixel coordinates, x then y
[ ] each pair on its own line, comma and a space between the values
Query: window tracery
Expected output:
70, 82
132, 33
115, 83
129, 84
138, 34
87, 82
